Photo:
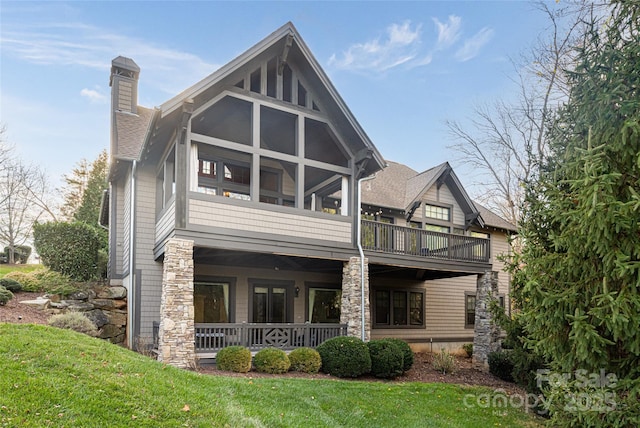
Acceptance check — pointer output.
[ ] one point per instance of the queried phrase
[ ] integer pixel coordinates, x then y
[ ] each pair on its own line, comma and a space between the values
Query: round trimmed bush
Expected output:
345, 357
271, 360
387, 360
75, 321
27, 279
10, 284
407, 352
305, 360
501, 364
5, 296
234, 359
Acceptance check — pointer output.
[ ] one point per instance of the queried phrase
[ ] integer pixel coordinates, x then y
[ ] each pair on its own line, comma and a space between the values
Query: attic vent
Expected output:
125, 95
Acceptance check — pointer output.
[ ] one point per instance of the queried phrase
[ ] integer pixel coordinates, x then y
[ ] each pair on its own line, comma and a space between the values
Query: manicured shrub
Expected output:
407, 352
271, 360
387, 360
345, 357
444, 362
305, 360
68, 248
501, 364
27, 279
234, 359
54, 282
5, 296
468, 349
75, 321
10, 284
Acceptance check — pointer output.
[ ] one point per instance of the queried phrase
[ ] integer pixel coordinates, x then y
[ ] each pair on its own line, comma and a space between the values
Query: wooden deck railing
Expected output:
392, 239
210, 338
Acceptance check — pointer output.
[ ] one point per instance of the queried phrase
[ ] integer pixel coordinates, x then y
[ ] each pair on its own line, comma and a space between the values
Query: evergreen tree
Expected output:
578, 277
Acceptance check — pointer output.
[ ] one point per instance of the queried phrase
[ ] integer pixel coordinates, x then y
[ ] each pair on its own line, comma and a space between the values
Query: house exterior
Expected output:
235, 212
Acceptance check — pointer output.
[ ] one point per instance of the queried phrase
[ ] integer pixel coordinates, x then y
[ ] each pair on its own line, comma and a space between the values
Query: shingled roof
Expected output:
131, 130
398, 186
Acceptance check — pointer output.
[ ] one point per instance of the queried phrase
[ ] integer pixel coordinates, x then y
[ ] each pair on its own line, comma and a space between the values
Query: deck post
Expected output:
351, 305
176, 335
486, 336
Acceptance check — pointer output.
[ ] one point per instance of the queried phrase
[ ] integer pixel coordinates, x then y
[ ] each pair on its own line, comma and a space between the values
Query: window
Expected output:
233, 182
324, 304
212, 301
397, 308
436, 228
470, 309
438, 213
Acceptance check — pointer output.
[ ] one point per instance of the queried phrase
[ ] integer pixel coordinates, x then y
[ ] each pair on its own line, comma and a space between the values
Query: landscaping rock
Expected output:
117, 318
38, 303
111, 293
110, 331
79, 295
98, 317
109, 303
81, 307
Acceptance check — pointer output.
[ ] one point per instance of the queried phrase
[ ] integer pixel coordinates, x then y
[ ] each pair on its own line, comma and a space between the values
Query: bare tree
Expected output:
505, 141
17, 212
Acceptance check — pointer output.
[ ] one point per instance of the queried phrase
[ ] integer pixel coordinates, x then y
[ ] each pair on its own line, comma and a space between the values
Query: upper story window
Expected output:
437, 212
234, 182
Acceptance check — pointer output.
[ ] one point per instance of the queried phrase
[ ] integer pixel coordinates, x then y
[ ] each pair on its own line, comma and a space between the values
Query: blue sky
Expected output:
403, 68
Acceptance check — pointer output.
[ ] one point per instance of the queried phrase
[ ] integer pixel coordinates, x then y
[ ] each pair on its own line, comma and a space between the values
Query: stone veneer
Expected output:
176, 334
351, 305
486, 337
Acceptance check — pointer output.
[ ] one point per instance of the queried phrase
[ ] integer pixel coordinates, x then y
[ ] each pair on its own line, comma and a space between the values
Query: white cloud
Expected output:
78, 44
448, 32
399, 46
472, 46
93, 95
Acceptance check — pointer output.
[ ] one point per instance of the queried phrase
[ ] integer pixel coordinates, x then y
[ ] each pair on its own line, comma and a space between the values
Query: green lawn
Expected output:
52, 377
5, 268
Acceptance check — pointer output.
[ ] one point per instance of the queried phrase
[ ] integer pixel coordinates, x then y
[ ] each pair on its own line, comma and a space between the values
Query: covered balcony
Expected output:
392, 239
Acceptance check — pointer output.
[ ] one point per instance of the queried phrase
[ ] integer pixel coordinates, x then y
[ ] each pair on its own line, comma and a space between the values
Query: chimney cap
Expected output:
125, 63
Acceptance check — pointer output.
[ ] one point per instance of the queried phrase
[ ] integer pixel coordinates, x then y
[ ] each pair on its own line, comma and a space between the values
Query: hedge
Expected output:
68, 248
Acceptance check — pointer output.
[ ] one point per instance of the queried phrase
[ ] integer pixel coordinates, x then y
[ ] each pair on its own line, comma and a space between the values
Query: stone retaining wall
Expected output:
105, 306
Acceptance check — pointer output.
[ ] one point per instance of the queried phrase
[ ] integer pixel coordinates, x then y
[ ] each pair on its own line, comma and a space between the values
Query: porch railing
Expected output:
392, 239
210, 338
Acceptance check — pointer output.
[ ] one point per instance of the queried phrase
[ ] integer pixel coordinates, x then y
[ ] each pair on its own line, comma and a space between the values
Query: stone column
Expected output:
351, 305
486, 337
176, 338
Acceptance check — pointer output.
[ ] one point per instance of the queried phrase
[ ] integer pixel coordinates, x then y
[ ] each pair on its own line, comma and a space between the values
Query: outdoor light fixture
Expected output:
297, 291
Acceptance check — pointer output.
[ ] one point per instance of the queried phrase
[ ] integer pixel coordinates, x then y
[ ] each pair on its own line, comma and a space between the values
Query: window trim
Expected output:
391, 290
475, 296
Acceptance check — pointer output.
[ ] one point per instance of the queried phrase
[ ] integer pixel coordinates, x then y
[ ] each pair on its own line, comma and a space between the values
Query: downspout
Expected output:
132, 257
361, 251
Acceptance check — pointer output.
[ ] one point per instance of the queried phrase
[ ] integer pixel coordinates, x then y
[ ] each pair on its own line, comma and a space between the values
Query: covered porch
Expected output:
210, 338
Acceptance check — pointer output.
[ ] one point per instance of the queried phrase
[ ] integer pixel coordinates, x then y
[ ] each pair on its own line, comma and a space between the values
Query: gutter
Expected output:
361, 252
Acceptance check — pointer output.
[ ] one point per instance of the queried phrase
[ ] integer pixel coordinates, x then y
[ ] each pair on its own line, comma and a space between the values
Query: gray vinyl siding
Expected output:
166, 222
244, 218
117, 227
126, 224
151, 270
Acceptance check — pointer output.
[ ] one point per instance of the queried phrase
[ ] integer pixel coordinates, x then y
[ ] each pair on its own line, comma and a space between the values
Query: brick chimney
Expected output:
124, 85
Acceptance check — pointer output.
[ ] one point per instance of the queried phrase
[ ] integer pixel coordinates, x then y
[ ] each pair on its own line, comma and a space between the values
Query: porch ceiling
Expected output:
387, 271
211, 256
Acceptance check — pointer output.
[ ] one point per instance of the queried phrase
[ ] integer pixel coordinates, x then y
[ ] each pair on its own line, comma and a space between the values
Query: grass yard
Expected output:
51, 377
5, 268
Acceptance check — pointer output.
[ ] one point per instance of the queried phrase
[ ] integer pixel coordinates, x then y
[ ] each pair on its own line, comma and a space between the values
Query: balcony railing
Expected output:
210, 338
392, 239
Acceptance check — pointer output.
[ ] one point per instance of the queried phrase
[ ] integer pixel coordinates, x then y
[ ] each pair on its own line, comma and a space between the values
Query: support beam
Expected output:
176, 334
486, 338
351, 304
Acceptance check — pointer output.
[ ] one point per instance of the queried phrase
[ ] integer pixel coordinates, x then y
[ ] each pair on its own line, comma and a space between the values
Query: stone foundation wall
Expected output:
487, 333
351, 305
177, 330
